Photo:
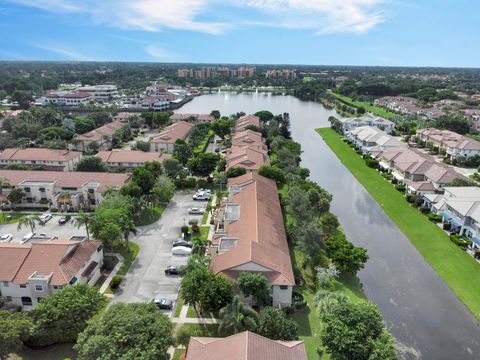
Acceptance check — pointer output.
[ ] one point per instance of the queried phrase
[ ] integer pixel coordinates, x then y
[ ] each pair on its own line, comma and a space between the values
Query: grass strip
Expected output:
457, 268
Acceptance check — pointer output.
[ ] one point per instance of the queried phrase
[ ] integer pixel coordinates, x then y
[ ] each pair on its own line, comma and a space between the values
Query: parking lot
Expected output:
146, 278
51, 229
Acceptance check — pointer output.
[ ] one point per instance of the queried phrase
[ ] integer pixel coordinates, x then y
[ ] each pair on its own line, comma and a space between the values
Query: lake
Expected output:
423, 314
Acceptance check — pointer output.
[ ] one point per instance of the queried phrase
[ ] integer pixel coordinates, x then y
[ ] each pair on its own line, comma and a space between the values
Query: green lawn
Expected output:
129, 254
150, 215
203, 145
205, 330
178, 307
370, 108
458, 269
178, 353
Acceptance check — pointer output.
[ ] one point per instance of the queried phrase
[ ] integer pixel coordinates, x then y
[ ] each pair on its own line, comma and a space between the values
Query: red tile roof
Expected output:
66, 179
61, 259
131, 156
98, 133
39, 154
171, 133
259, 230
244, 346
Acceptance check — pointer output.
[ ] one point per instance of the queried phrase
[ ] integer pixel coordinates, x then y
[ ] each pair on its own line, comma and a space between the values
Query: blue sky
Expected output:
323, 32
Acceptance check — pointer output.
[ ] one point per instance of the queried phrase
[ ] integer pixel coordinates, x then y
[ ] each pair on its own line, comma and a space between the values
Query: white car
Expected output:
201, 195
181, 250
45, 217
6, 238
27, 237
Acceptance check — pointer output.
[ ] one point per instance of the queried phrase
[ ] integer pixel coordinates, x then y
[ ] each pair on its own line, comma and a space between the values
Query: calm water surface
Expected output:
420, 310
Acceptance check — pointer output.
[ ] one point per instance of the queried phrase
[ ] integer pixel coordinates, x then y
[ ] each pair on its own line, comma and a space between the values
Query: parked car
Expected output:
182, 242
172, 270
201, 195
195, 211
27, 237
6, 238
181, 250
163, 304
64, 219
45, 218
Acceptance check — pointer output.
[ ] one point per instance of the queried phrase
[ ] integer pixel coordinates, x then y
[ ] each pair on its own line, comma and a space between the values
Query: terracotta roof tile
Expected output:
131, 156
98, 133
244, 346
171, 133
39, 154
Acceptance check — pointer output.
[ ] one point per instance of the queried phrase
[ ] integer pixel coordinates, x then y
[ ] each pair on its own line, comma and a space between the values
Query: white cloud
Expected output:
324, 16
321, 16
146, 15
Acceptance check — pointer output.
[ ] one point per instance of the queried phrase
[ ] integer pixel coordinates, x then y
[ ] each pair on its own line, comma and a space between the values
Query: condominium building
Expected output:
59, 190
349, 124
195, 118
129, 159
100, 92
31, 272
247, 120
165, 140
103, 136
46, 159
66, 98
250, 236
455, 145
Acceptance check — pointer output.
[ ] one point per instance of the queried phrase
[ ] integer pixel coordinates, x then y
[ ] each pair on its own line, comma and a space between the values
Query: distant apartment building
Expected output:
165, 140
281, 74
208, 72
195, 118
155, 103
102, 136
66, 98
250, 236
46, 159
349, 124
59, 189
399, 104
456, 146
129, 159
31, 272
100, 92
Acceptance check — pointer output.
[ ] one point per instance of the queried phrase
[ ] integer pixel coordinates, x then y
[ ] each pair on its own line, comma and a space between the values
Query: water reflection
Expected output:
426, 318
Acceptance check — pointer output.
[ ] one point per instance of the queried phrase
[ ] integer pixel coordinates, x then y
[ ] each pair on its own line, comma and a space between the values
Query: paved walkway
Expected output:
109, 278
183, 319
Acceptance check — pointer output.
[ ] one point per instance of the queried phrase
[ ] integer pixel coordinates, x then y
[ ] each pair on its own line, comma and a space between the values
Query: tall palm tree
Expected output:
237, 317
83, 219
30, 221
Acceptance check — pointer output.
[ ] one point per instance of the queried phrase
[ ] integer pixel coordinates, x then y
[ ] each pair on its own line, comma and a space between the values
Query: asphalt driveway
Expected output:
146, 278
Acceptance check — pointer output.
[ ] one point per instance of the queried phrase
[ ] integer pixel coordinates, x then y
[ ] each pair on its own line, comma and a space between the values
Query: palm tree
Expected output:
29, 221
237, 317
83, 219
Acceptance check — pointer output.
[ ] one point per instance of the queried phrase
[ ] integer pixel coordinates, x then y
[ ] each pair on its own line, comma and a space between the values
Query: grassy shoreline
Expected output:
369, 108
458, 269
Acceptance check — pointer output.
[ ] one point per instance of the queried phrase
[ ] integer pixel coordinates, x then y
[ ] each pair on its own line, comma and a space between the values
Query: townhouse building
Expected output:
165, 140
371, 139
46, 159
59, 190
460, 207
455, 145
247, 120
250, 236
102, 135
31, 272
248, 157
129, 159
349, 124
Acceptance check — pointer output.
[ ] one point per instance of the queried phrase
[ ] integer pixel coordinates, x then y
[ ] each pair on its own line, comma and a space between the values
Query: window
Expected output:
38, 287
26, 301
91, 191
23, 286
27, 189
41, 189
283, 287
5, 283
8, 298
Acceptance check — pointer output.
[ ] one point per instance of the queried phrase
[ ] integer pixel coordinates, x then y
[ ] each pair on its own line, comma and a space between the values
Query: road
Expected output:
146, 278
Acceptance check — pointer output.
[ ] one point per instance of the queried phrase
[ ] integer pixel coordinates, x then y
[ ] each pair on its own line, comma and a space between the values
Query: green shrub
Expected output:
289, 310
116, 281
184, 229
185, 183
108, 263
424, 209
434, 217
300, 305
192, 222
400, 187
447, 226
461, 241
